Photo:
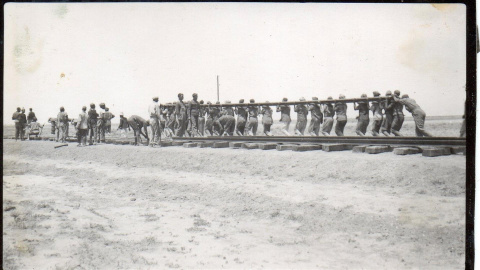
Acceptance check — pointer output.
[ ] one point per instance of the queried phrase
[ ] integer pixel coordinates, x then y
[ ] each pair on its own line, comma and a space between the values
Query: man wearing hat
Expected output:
92, 124
62, 119
82, 127
101, 124
376, 108
317, 117
137, 123
31, 116
181, 116
154, 112
417, 113
252, 124
123, 126
285, 119
328, 114
241, 112
108, 116
398, 115
22, 120
18, 127
341, 112
388, 104
363, 119
302, 112
193, 112
267, 119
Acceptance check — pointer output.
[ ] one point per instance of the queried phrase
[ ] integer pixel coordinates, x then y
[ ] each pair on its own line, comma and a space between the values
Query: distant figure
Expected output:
62, 119
252, 123
376, 108
398, 116
341, 111
101, 124
181, 116
193, 112
285, 119
388, 104
463, 129
154, 112
201, 119
267, 119
363, 119
123, 126
18, 126
316, 118
31, 116
137, 123
82, 127
302, 112
92, 124
241, 112
417, 113
35, 129
328, 114
108, 116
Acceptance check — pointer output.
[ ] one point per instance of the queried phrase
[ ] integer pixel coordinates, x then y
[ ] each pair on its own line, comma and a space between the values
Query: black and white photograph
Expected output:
236, 136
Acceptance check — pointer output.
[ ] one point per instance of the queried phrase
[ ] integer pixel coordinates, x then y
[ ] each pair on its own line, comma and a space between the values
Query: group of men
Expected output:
26, 124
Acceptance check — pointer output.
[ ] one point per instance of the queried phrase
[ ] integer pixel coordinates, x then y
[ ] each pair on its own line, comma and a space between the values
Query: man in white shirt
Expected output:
154, 111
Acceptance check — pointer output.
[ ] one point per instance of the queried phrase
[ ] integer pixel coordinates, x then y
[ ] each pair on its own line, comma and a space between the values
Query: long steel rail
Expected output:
452, 141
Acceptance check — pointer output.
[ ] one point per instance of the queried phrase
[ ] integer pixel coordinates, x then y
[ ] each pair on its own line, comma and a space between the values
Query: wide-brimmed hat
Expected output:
376, 93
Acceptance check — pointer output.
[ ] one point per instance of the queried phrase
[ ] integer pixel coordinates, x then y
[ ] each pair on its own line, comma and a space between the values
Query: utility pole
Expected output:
218, 90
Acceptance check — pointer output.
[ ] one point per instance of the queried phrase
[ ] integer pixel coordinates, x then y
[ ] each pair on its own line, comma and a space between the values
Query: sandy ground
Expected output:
126, 207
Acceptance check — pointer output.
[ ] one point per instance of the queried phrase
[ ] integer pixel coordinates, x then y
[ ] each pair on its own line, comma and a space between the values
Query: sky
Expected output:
123, 54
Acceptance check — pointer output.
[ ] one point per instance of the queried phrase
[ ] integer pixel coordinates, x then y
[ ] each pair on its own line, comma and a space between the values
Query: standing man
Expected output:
267, 119
398, 116
417, 113
341, 111
137, 123
193, 112
302, 112
241, 112
82, 127
376, 109
363, 119
108, 116
181, 114
22, 119
54, 128
30, 117
92, 124
17, 123
154, 111
210, 116
317, 118
252, 123
62, 119
101, 124
201, 119
285, 116
328, 114
388, 104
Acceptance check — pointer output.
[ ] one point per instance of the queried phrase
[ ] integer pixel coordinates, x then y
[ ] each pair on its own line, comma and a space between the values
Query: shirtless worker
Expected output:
302, 112
388, 104
363, 109
241, 112
193, 112
328, 114
376, 107
285, 119
252, 123
181, 116
398, 116
267, 119
316, 117
137, 123
417, 113
341, 111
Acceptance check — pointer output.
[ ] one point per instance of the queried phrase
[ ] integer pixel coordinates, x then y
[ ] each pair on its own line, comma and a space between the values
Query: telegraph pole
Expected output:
218, 90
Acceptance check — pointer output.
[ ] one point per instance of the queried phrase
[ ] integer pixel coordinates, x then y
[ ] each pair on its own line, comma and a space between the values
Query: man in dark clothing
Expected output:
181, 115
92, 124
241, 112
376, 109
252, 123
17, 123
341, 111
363, 119
108, 116
22, 120
30, 117
210, 118
62, 120
398, 116
201, 119
316, 118
417, 113
267, 119
463, 129
285, 116
193, 112
123, 126
328, 114
137, 123
101, 124
388, 104
302, 112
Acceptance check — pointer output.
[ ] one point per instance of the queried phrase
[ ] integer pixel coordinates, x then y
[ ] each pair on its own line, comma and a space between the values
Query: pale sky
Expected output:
123, 54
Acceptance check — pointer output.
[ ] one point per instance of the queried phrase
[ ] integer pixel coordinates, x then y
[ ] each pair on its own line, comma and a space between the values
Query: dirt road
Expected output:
126, 207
